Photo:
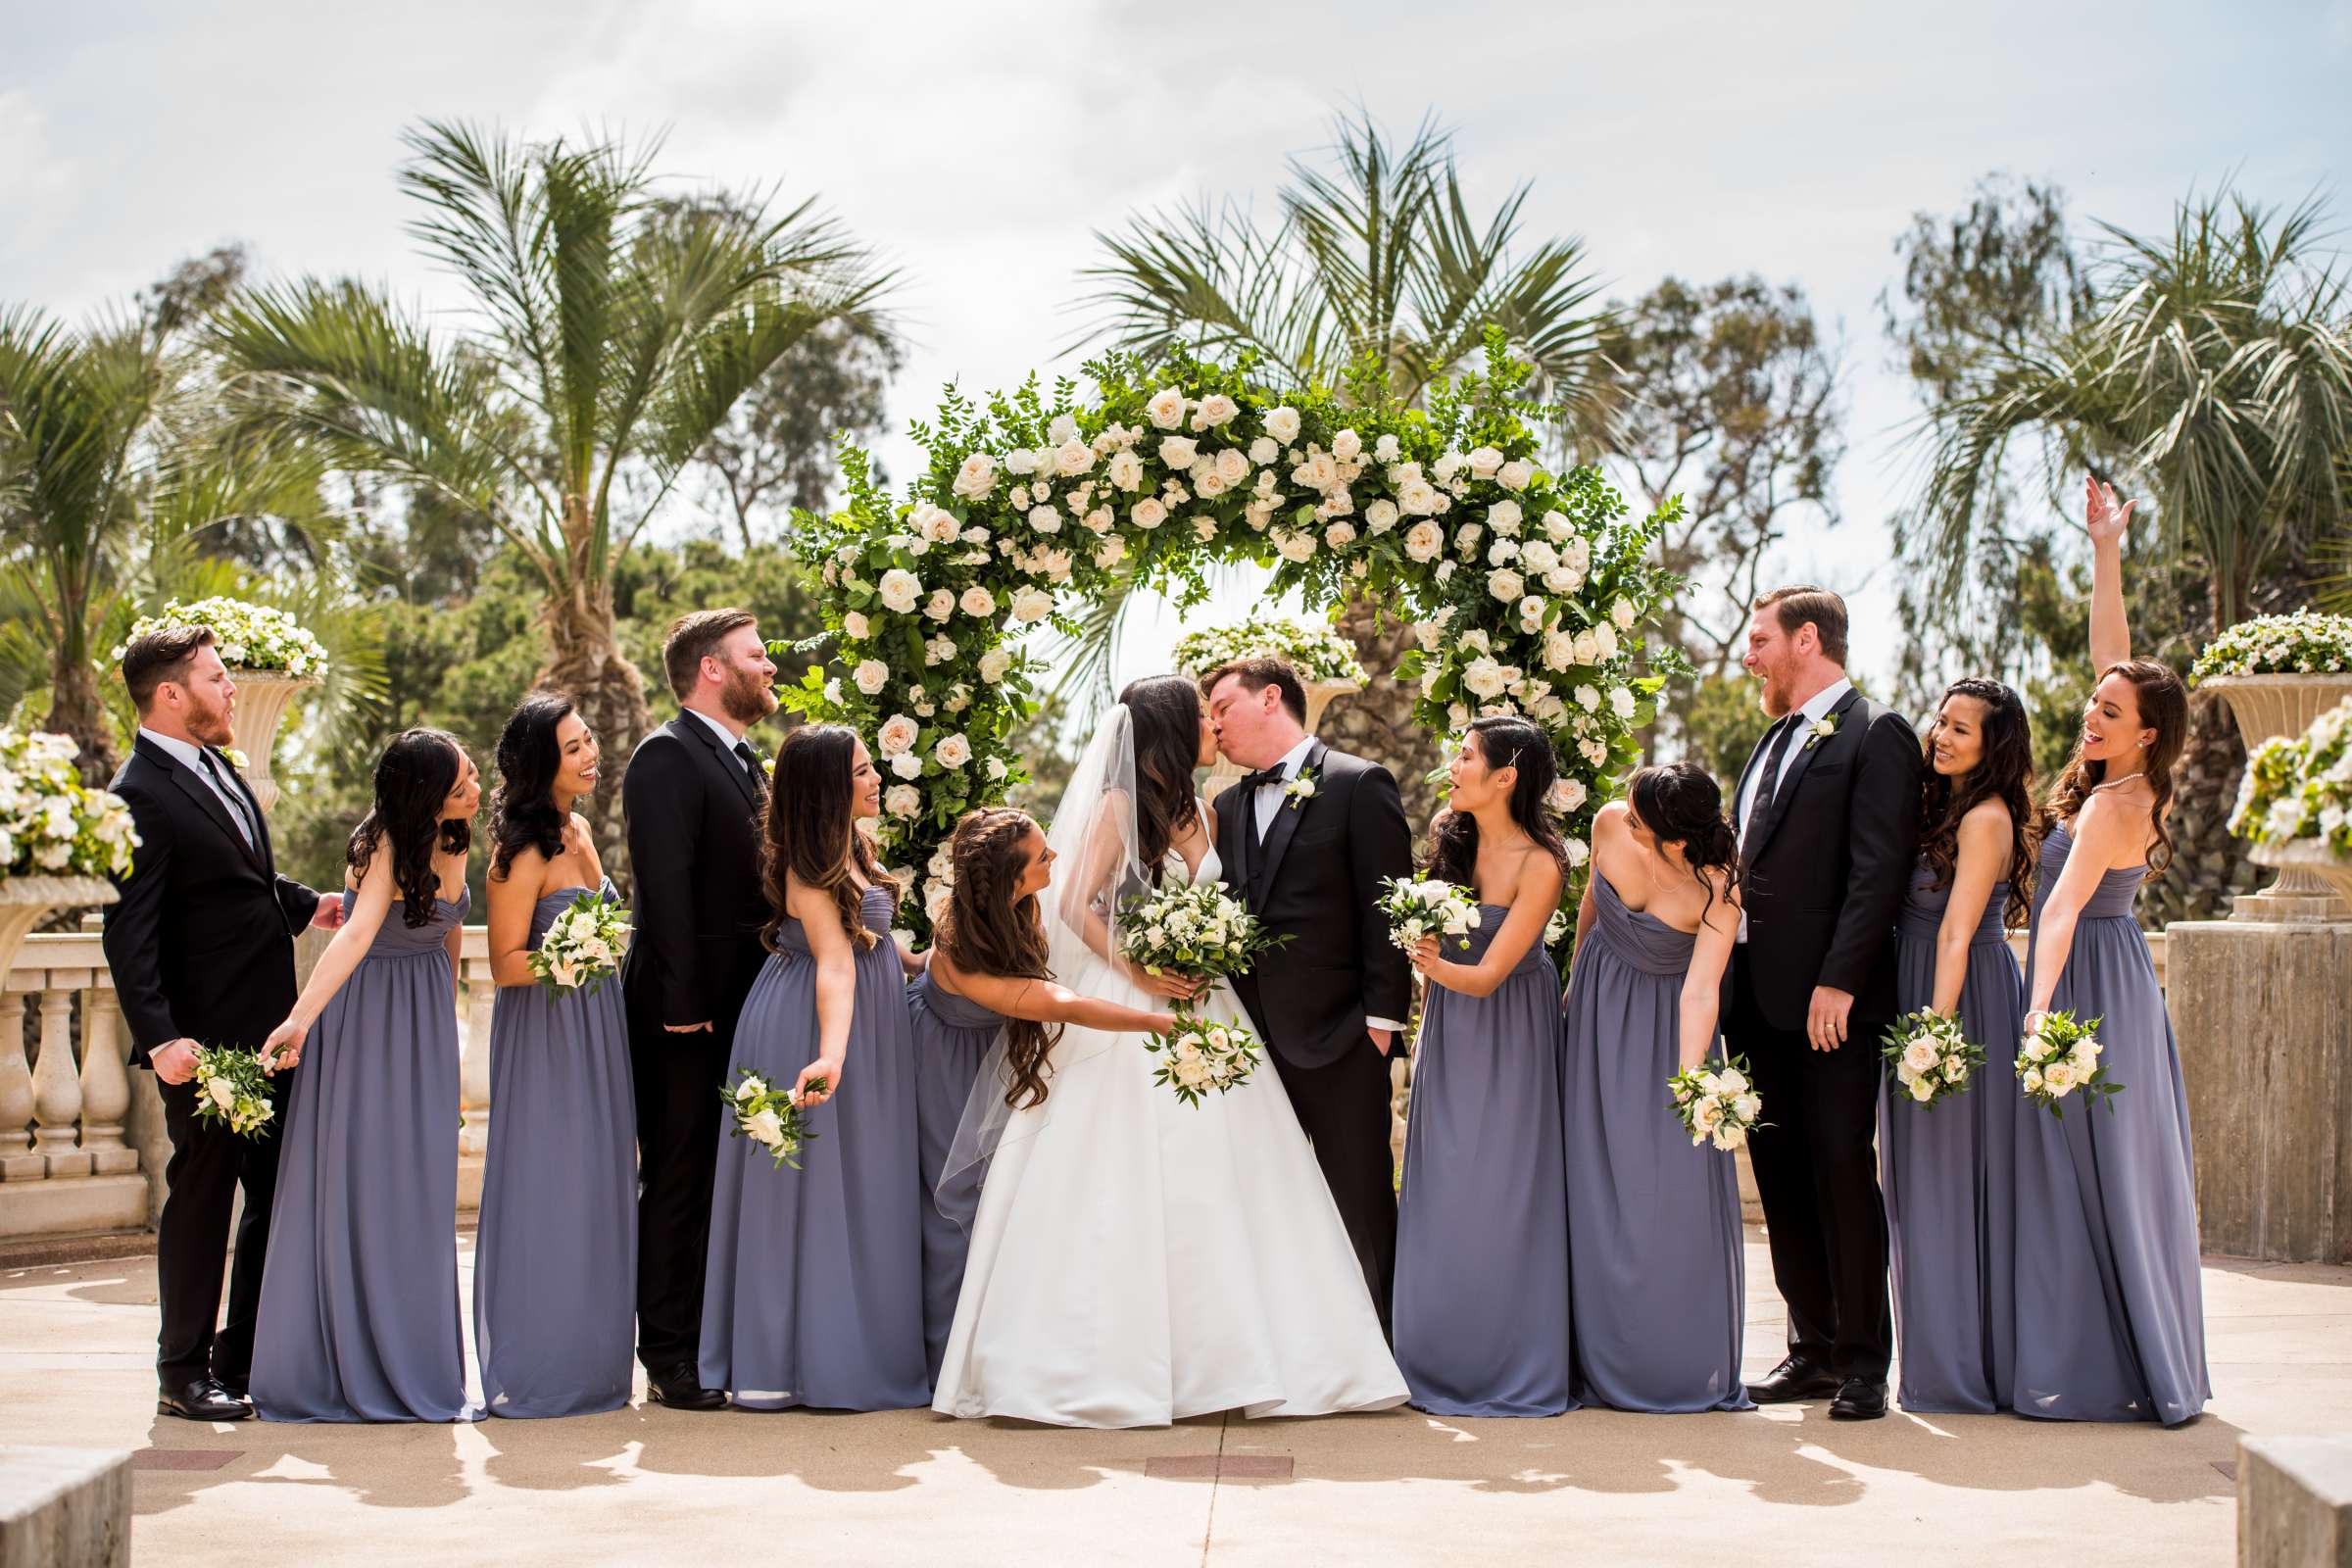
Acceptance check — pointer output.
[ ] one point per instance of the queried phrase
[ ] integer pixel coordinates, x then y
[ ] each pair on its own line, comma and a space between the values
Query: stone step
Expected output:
64, 1507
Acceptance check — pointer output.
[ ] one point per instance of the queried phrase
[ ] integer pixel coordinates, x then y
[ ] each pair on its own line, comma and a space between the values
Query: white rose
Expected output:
1111, 552
897, 734
765, 1127
997, 769
857, 626
1126, 469
1073, 458
1484, 462
1347, 445
1045, 519
1567, 795
1283, 423
1215, 409
940, 605
902, 799
1020, 459
994, 664
1178, 451
1604, 640
1063, 430
1622, 612
1149, 513
1232, 467
977, 478
1921, 1055
1423, 540
907, 764
871, 676
899, 589
1514, 475
2058, 1077
1381, 515
1621, 702
1484, 677
1531, 612
1166, 409
1264, 450
978, 603
1294, 545
223, 1095
1418, 497
1579, 852
1031, 605
1505, 584
1587, 648
1339, 535
952, 751
1505, 517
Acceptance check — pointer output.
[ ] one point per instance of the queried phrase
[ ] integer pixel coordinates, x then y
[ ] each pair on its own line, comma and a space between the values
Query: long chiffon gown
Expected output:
1481, 1203
814, 1290
953, 1036
1949, 1173
2110, 1305
359, 1316
1653, 1221
554, 1260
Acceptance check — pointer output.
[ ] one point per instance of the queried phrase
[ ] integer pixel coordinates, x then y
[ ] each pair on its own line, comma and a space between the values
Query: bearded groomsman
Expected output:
201, 943
692, 798
1828, 813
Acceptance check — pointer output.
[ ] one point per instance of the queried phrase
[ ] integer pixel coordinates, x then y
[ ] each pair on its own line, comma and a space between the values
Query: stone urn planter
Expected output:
2267, 707
25, 902
263, 696
2308, 859
1319, 695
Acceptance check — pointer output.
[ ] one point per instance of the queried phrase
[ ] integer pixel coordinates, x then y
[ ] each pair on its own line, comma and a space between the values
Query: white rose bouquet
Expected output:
1417, 909
1202, 1054
2061, 1057
583, 945
766, 1113
1929, 1058
231, 1087
1717, 1104
1195, 930
247, 636
50, 825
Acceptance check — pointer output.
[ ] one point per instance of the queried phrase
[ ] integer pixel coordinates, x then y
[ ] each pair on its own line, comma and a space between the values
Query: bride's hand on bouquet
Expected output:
1174, 986
1163, 1023
283, 1048
818, 1083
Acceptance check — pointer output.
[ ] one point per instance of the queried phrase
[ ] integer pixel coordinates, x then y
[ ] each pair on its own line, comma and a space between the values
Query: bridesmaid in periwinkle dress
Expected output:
554, 1262
359, 1315
1949, 1170
1482, 1221
987, 1010
813, 1293
1653, 1221
2110, 1306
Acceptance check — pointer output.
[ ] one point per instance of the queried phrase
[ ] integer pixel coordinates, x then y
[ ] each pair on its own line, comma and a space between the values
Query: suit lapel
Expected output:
198, 791
692, 728
1265, 861
253, 807
1761, 833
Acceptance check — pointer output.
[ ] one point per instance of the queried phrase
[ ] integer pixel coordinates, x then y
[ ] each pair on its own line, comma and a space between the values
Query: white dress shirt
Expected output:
1269, 800
190, 755
728, 740
1814, 709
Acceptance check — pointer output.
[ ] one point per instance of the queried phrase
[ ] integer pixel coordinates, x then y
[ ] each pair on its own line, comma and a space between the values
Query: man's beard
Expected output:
216, 727
747, 698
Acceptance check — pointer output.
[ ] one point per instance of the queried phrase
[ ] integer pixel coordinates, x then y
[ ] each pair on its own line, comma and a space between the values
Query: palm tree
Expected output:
1374, 259
111, 475
612, 331
2213, 367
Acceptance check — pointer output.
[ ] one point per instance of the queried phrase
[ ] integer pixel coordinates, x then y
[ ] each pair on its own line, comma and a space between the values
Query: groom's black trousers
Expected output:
1344, 1108
1817, 1174
207, 1164
677, 1080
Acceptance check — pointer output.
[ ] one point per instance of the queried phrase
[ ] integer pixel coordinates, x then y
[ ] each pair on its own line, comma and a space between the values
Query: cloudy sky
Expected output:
980, 146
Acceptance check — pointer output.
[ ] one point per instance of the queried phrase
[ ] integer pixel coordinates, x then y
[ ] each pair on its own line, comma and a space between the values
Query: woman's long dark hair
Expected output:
2005, 774
1505, 742
1166, 712
522, 814
1680, 803
810, 830
2163, 708
986, 930
412, 777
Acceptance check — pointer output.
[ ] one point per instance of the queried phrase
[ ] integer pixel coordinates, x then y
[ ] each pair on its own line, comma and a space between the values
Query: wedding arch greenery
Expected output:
1530, 590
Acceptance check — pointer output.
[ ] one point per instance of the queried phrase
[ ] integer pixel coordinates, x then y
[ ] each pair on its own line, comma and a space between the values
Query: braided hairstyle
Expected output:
986, 930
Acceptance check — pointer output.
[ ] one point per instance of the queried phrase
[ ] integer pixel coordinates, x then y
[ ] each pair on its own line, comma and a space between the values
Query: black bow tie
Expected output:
1263, 777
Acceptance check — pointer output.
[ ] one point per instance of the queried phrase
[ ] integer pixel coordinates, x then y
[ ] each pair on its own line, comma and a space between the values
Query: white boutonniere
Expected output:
1301, 788
236, 759
1821, 729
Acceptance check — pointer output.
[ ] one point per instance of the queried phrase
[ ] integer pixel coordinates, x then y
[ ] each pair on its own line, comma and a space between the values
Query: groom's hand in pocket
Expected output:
685, 1028
1383, 1039
1825, 1019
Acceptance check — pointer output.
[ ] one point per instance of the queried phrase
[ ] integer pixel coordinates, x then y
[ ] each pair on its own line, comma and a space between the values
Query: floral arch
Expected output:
1528, 589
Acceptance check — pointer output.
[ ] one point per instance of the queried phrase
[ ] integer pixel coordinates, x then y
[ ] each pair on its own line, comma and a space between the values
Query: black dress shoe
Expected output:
1859, 1400
200, 1400
1794, 1379
680, 1391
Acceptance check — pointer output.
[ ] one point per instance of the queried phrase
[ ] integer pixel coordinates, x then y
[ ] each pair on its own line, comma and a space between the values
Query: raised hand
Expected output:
2102, 516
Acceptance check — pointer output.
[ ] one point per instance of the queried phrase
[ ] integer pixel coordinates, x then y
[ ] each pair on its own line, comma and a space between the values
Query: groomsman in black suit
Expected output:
1828, 813
692, 798
1306, 839
201, 943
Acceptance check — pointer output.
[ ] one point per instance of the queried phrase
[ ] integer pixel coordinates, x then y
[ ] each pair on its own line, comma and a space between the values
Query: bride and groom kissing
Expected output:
1133, 1259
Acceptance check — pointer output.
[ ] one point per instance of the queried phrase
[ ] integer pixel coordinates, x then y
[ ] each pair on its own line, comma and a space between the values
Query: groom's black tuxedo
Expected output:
1826, 863
1315, 876
693, 822
201, 946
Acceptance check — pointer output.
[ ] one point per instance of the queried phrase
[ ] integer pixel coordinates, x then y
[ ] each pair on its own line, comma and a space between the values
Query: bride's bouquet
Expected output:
1203, 1054
1198, 929
231, 1087
1717, 1102
1417, 909
764, 1113
1928, 1056
582, 947
2061, 1057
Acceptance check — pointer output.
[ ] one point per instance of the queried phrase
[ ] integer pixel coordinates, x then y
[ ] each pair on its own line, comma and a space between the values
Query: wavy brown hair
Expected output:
986, 930
810, 830
414, 777
2163, 704
2005, 774
1166, 711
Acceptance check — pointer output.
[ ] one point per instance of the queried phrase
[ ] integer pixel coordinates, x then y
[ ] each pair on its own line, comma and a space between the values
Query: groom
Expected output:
1828, 814
1306, 838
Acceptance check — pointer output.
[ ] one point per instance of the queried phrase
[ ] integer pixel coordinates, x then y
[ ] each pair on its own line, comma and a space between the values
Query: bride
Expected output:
1134, 1260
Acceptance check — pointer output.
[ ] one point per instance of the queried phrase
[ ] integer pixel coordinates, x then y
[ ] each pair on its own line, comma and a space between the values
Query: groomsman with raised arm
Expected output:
692, 799
1828, 814
201, 943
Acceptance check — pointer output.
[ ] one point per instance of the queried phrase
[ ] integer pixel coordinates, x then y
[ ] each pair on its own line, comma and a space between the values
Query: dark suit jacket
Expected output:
1828, 864
1317, 876
693, 823
201, 940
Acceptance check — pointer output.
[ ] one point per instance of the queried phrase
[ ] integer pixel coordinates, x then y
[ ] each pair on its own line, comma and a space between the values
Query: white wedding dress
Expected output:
1135, 1259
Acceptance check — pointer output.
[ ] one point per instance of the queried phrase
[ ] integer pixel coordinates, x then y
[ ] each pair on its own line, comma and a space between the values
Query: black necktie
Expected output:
751, 764
228, 796
1769, 784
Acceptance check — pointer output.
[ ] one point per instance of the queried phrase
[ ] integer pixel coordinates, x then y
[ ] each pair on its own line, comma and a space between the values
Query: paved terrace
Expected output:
653, 1486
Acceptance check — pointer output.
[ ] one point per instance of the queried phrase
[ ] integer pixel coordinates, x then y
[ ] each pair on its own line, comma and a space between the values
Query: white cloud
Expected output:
37, 182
